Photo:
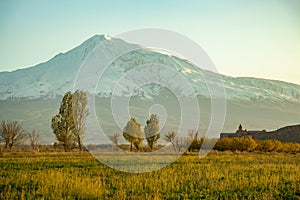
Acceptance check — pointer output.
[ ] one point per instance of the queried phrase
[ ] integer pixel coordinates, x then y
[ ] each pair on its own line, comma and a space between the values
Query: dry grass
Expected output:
217, 176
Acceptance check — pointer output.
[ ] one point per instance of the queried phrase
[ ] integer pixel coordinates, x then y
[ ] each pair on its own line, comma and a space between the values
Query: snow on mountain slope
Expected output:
56, 76
49, 79
255, 88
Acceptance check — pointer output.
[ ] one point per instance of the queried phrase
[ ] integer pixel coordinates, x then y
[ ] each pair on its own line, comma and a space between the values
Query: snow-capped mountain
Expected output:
32, 95
56, 76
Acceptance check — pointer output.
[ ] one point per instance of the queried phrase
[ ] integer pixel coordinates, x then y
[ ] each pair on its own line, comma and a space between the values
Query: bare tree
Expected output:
170, 137
34, 139
180, 143
115, 138
12, 134
80, 113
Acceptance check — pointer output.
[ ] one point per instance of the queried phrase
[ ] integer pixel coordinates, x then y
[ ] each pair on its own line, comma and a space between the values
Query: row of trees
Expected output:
69, 125
12, 134
69, 128
151, 133
134, 135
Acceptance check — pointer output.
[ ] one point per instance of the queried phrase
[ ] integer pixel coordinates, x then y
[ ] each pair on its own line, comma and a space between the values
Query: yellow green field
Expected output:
217, 176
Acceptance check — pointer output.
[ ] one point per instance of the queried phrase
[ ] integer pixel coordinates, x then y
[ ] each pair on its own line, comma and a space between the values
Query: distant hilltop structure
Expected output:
285, 134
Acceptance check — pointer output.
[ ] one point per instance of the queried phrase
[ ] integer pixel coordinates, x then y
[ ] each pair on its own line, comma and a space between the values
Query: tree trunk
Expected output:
137, 147
174, 146
65, 148
6, 145
79, 143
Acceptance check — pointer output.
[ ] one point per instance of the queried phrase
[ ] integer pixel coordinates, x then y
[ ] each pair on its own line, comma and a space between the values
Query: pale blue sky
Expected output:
258, 38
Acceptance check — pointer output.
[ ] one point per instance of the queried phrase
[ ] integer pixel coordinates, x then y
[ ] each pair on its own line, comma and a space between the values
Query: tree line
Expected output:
68, 126
133, 133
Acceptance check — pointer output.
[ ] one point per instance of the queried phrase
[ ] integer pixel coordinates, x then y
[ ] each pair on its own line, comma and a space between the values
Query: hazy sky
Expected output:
259, 38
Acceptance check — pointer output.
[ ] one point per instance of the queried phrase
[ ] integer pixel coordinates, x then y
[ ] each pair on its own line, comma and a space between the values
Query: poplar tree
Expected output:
63, 123
152, 131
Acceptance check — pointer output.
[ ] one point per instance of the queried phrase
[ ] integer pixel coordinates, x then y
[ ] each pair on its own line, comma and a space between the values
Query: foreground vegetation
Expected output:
217, 176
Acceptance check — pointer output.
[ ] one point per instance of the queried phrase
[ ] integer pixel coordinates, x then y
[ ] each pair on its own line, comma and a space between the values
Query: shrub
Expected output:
249, 144
236, 143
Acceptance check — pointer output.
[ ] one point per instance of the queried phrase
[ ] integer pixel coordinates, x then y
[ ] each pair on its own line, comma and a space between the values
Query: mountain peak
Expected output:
96, 38
82, 50
93, 41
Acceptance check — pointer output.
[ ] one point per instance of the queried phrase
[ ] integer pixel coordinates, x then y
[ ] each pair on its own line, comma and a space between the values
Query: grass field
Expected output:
217, 176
